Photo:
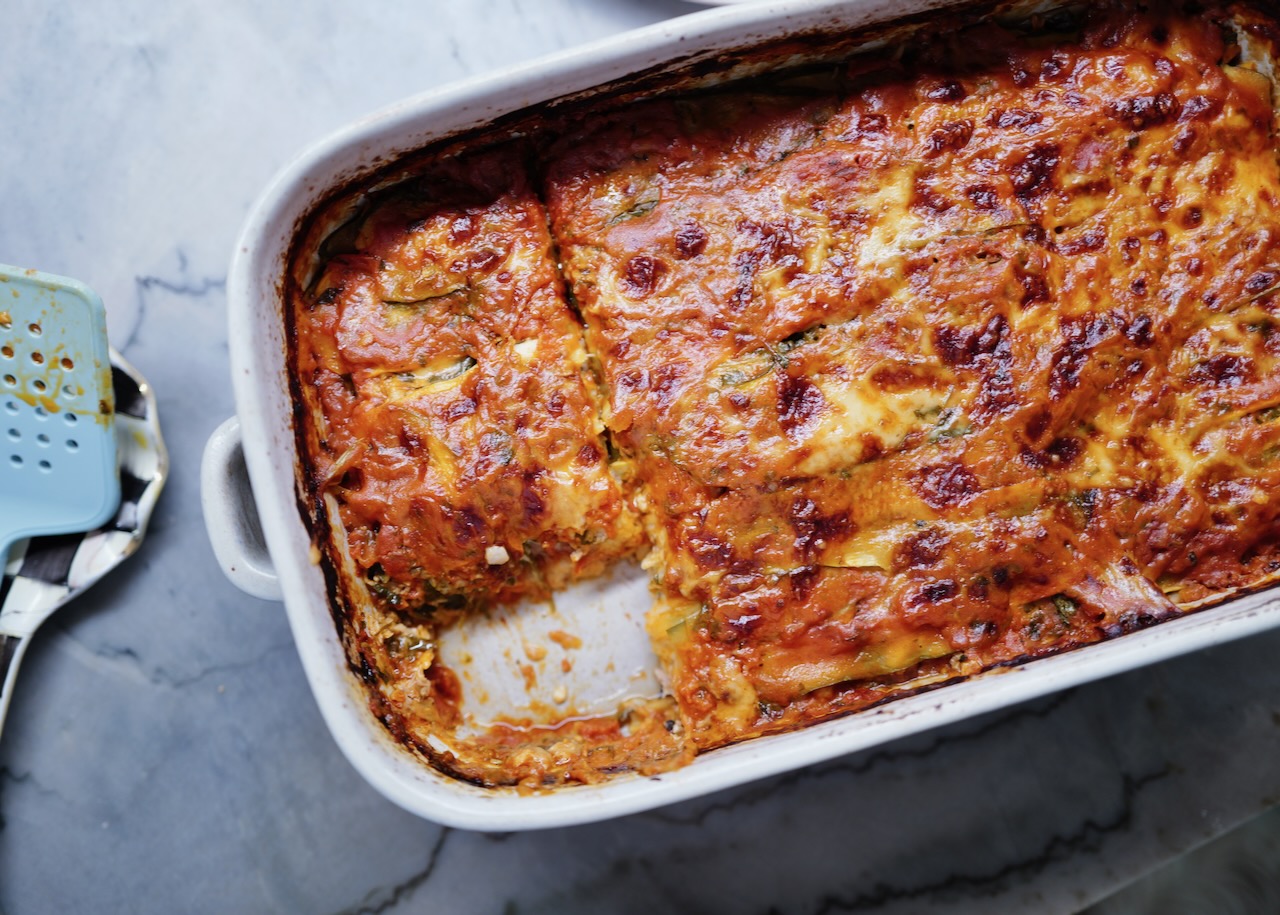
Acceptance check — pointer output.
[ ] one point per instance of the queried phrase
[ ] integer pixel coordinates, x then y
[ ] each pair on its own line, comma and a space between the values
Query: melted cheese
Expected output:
963, 357
955, 381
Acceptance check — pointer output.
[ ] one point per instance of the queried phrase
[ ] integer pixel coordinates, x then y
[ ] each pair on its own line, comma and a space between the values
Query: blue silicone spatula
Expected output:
58, 472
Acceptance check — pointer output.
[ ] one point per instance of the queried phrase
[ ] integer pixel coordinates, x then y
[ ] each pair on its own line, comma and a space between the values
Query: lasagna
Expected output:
893, 369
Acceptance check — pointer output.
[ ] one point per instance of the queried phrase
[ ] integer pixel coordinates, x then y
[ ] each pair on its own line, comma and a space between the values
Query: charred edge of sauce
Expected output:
443, 762
309, 501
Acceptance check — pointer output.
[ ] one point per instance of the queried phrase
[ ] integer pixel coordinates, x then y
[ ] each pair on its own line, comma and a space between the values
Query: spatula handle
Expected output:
12, 648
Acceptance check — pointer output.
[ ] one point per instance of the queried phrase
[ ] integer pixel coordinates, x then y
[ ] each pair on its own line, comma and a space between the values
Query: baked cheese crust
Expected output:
958, 354
453, 421
976, 363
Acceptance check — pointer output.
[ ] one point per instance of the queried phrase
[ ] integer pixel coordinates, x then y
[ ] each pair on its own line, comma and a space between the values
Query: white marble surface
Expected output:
163, 752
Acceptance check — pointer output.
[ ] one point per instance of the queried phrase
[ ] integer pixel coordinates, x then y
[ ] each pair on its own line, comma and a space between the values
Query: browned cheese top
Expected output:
963, 354
460, 434
971, 362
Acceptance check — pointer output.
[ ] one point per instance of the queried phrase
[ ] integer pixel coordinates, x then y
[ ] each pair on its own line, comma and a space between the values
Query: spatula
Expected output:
58, 469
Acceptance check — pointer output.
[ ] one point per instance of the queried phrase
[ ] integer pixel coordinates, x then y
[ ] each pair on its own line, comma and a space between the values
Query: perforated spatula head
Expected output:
58, 469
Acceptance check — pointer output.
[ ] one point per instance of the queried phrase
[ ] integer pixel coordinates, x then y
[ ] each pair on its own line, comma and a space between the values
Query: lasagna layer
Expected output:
945, 357
975, 362
453, 424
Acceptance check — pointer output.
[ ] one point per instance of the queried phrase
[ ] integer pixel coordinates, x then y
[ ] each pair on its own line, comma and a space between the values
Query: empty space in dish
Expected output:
512, 660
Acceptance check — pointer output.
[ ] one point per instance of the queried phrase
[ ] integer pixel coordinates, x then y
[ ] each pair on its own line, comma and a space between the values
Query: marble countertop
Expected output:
163, 751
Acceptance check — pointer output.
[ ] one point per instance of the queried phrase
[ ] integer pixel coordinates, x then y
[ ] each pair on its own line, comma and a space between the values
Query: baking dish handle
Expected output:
230, 516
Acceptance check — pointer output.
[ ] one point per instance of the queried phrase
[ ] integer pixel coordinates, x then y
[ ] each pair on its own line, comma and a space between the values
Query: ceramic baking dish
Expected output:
279, 560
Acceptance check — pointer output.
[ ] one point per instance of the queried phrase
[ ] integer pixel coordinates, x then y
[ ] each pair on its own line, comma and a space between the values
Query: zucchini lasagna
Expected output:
893, 368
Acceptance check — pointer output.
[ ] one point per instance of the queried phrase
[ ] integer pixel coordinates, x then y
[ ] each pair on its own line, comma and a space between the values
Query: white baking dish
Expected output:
265, 426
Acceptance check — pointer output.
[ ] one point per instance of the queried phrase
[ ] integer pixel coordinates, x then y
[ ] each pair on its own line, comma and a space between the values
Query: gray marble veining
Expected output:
163, 752
1235, 874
